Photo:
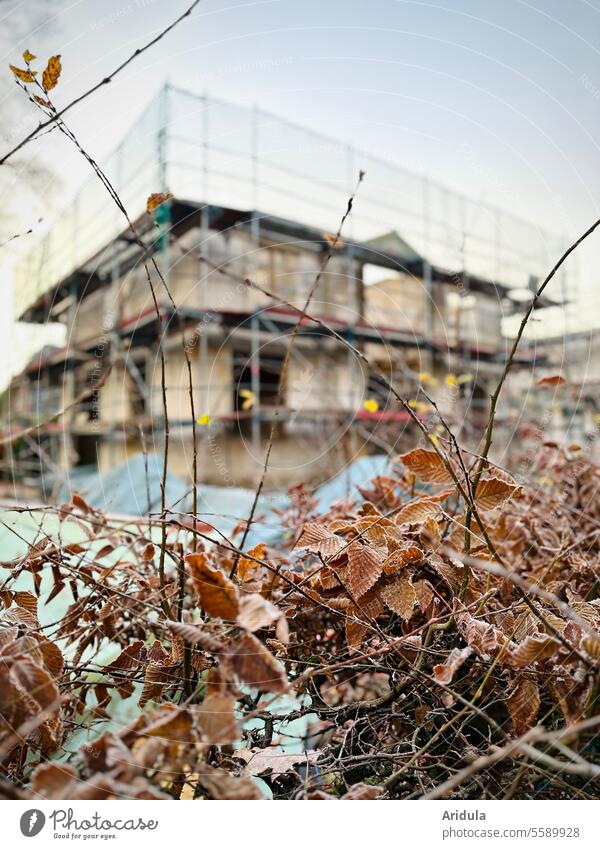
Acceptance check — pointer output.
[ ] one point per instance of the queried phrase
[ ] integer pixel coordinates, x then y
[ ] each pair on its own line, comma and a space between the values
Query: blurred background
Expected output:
476, 124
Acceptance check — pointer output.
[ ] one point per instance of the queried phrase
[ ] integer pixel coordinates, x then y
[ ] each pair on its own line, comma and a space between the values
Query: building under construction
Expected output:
417, 290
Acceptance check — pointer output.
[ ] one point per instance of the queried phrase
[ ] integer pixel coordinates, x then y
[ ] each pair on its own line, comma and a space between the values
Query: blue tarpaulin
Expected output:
124, 489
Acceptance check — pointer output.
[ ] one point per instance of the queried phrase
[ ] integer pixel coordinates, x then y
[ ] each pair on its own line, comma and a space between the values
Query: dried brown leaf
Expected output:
156, 679
445, 672
365, 566
217, 595
400, 596
426, 465
257, 667
256, 612
248, 568
523, 704
175, 724
222, 786
532, 649
129, 658
196, 635
273, 762
493, 492
53, 780
216, 719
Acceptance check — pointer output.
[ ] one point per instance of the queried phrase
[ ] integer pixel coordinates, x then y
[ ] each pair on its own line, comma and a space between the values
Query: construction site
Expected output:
418, 288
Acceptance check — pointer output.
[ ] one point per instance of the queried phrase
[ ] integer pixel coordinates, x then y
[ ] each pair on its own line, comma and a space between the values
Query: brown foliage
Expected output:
372, 622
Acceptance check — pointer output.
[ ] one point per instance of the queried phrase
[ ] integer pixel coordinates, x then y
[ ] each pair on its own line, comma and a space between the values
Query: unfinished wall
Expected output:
399, 303
324, 382
213, 393
114, 399
480, 323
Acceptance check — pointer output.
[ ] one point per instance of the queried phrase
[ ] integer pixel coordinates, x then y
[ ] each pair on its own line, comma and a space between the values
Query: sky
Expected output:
416, 82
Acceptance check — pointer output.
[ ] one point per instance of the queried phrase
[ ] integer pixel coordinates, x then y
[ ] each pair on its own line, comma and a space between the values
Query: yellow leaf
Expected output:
465, 378
451, 380
24, 76
52, 73
371, 405
204, 420
28, 57
419, 406
425, 377
156, 199
249, 398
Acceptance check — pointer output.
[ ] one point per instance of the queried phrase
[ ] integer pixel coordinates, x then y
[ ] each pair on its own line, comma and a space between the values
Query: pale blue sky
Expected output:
518, 82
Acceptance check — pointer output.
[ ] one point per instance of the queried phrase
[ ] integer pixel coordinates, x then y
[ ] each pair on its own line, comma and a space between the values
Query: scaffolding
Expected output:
202, 148
241, 170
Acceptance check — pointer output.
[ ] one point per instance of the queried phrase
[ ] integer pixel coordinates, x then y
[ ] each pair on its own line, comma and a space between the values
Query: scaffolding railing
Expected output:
207, 150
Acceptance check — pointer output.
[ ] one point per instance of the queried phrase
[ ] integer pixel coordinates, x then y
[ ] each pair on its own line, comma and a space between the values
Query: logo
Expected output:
32, 822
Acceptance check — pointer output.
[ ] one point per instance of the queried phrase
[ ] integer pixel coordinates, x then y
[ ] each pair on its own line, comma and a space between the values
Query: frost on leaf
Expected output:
445, 672
493, 492
365, 566
533, 648
426, 465
400, 596
320, 540
401, 557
